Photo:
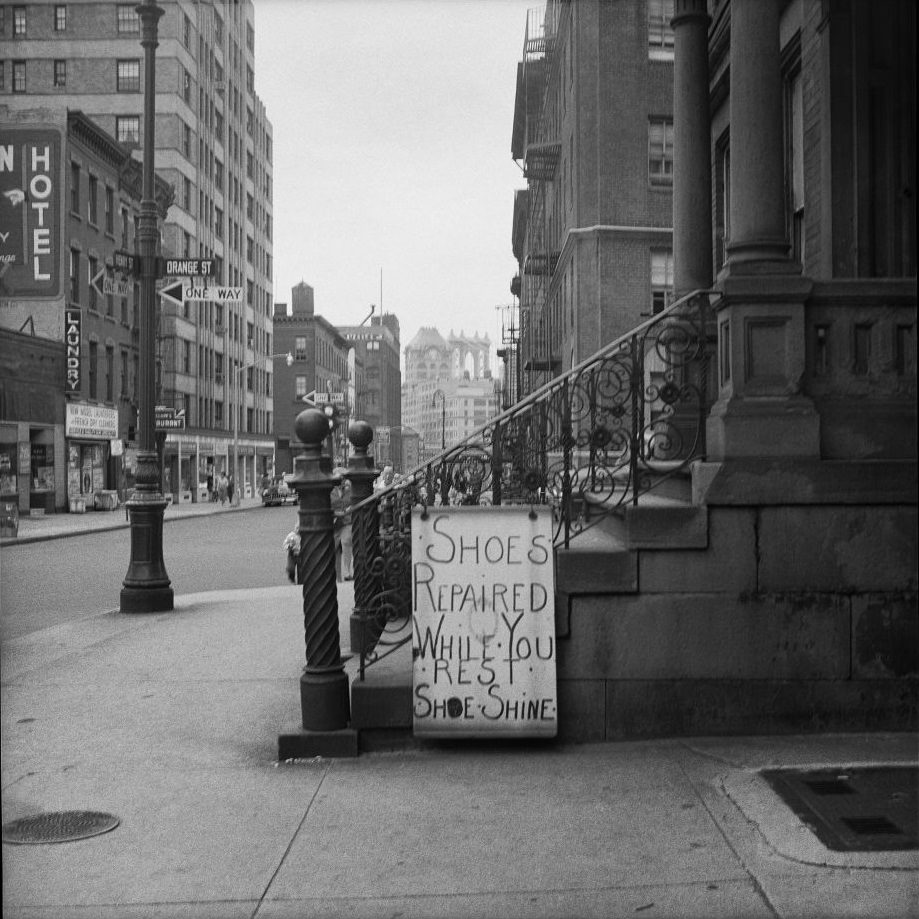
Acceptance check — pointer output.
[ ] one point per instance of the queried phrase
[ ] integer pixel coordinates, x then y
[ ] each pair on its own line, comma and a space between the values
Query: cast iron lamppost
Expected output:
146, 587
443, 415
236, 387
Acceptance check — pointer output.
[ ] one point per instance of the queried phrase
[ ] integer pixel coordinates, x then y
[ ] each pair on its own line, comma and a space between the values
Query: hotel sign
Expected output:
30, 212
483, 605
96, 422
73, 336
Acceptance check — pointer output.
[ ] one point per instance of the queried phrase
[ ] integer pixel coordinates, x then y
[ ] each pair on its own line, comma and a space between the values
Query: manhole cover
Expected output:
58, 826
854, 810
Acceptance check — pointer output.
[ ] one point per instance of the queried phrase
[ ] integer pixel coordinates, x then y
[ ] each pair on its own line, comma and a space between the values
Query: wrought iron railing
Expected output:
591, 440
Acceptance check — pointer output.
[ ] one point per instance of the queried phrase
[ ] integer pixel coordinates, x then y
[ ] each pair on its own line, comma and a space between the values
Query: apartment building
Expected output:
593, 133
214, 146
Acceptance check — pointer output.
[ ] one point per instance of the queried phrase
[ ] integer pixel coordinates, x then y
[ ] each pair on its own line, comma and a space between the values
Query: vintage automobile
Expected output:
277, 492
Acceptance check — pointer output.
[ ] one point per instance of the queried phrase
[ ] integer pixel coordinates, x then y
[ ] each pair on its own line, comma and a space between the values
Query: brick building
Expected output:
593, 131
70, 356
214, 145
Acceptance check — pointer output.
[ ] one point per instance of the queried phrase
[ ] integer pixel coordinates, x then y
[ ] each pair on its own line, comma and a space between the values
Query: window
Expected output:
186, 86
109, 209
128, 75
186, 32
60, 73
299, 385
125, 379
661, 279
93, 267
127, 129
94, 370
75, 188
722, 198
19, 22
109, 373
794, 162
2, 70
92, 208
660, 151
124, 228
186, 141
19, 76
660, 31
128, 20
75, 275
187, 196
60, 18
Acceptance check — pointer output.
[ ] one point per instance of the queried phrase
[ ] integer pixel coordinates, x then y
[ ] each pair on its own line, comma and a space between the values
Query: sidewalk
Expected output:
56, 526
170, 722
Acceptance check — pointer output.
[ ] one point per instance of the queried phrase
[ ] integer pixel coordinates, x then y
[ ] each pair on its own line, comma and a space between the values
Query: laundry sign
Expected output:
484, 648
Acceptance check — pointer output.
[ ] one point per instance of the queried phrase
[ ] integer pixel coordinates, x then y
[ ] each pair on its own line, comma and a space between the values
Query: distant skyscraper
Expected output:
448, 390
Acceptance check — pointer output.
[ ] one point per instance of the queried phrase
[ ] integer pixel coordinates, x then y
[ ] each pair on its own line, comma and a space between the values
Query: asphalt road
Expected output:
44, 584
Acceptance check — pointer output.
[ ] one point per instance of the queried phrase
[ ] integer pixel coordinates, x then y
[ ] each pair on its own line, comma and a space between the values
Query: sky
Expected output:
392, 160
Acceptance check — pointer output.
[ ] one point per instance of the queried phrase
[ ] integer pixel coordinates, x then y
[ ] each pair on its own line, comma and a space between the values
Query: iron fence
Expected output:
592, 440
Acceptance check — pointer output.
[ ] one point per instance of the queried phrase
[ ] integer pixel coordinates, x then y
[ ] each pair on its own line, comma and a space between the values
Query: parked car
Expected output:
277, 491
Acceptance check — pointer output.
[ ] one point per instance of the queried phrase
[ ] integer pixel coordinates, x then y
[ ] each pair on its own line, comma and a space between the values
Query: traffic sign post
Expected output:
317, 398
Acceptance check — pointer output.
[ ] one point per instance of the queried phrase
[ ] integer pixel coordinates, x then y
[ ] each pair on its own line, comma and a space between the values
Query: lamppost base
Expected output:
325, 699
147, 600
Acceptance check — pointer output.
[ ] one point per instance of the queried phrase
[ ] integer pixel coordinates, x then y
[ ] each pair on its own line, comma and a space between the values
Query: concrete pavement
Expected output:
170, 722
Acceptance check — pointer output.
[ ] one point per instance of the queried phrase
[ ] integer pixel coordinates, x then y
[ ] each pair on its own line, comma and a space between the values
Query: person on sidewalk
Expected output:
347, 558
338, 512
222, 485
231, 489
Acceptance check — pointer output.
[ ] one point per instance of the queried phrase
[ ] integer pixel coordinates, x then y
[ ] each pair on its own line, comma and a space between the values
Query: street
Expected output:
44, 584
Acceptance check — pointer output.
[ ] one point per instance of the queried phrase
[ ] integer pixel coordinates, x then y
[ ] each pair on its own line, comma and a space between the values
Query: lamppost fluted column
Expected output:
146, 587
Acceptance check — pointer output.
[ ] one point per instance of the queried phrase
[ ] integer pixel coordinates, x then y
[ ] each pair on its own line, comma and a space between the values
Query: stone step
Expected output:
658, 523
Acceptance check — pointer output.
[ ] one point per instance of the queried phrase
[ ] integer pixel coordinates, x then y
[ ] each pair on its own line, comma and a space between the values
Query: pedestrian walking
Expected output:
231, 489
222, 486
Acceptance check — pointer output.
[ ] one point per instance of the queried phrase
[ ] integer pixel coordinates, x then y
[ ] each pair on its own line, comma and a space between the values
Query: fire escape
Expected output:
536, 144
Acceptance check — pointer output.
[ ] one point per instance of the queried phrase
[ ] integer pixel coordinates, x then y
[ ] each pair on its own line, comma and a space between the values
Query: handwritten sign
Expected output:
483, 598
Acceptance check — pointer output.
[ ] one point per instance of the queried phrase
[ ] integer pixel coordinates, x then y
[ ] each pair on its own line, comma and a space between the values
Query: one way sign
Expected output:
180, 292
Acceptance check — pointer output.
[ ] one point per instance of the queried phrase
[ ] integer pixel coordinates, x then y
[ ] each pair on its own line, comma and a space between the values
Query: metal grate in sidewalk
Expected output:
872, 809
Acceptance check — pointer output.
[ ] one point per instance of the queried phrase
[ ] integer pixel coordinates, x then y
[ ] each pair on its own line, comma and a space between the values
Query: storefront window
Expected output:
85, 470
9, 481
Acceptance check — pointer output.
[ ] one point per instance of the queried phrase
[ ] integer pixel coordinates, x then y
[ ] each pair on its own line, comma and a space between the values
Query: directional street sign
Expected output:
168, 419
190, 267
181, 291
336, 398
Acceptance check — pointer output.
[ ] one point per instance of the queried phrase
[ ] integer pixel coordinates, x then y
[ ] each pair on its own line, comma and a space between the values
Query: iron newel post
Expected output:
146, 586
324, 691
364, 529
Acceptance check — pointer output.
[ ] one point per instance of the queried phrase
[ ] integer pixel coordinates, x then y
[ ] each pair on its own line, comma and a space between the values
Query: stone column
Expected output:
692, 172
758, 234
761, 410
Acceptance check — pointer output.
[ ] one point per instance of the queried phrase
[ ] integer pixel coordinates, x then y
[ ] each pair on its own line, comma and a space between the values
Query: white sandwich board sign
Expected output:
483, 604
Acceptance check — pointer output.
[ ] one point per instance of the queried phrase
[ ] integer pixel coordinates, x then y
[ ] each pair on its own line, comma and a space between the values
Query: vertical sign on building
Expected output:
483, 603
73, 337
31, 229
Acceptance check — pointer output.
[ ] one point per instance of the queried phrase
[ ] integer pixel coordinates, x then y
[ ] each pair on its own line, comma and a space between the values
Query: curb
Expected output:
108, 528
